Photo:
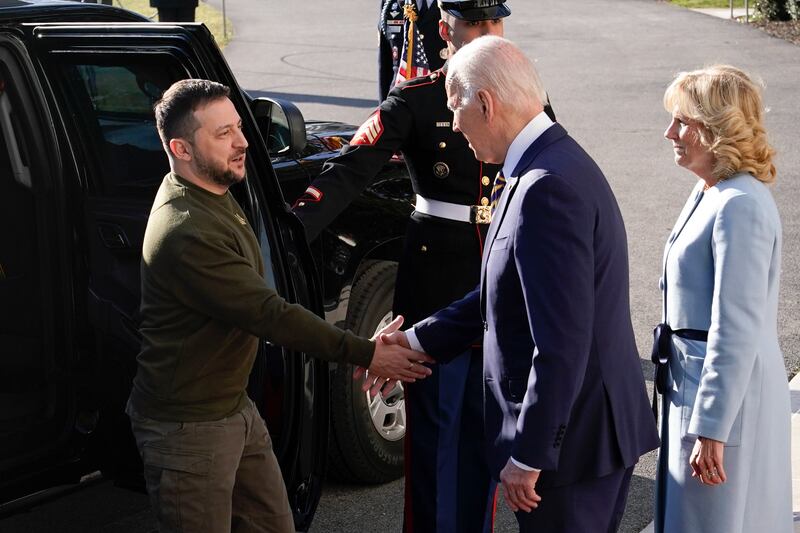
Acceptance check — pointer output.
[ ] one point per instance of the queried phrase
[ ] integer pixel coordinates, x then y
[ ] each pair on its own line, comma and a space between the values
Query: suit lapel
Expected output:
548, 137
499, 214
497, 221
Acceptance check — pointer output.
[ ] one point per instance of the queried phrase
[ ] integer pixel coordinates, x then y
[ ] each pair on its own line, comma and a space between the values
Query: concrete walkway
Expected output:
724, 12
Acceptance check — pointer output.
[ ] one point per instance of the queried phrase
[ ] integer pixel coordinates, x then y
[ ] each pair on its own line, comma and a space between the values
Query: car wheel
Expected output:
367, 433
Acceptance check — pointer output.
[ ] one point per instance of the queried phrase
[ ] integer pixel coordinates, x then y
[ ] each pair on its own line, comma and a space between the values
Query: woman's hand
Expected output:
706, 461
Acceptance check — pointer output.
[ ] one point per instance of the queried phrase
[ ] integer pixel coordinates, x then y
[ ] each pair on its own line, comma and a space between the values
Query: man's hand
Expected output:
519, 488
706, 461
393, 360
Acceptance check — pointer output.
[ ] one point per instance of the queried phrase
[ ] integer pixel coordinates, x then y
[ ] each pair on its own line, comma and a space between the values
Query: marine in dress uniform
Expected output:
392, 26
448, 486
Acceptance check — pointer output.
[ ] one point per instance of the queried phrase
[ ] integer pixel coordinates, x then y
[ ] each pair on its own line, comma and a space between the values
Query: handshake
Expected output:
393, 361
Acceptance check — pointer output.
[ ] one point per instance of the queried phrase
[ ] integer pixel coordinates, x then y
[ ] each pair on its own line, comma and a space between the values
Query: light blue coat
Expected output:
721, 275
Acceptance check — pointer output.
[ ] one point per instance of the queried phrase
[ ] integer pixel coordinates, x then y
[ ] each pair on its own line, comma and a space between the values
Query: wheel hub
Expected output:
388, 412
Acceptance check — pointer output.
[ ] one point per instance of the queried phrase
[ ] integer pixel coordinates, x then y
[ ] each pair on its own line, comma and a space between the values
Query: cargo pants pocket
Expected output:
178, 485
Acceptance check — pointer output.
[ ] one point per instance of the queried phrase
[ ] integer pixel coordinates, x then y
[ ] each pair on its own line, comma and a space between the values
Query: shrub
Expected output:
773, 9
793, 7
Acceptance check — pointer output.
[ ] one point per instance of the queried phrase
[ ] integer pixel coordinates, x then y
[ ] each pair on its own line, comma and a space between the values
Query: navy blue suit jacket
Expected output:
564, 390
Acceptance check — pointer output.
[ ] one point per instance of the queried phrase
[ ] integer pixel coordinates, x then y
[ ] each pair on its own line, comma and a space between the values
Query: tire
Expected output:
361, 450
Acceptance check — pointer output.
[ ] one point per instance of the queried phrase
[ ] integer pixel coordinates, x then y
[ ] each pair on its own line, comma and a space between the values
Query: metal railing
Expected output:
746, 10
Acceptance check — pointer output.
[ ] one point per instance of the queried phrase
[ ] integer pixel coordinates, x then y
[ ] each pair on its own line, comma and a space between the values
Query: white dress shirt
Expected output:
516, 150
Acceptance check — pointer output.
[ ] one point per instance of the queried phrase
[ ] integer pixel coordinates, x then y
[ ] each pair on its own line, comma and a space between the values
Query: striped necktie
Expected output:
497, 189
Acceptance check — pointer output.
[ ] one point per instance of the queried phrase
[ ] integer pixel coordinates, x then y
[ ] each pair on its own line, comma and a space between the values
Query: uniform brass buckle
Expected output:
480, 214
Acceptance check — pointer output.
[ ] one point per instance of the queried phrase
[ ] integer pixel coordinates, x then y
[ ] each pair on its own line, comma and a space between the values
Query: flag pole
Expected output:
410, 13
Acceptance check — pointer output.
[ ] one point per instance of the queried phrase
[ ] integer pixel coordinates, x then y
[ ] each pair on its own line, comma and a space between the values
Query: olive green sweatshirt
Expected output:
205, 304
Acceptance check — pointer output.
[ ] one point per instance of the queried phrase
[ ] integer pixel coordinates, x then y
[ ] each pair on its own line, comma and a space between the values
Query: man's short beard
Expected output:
220, 176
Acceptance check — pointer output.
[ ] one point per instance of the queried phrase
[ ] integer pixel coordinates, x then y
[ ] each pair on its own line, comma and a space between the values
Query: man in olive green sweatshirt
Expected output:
208, 458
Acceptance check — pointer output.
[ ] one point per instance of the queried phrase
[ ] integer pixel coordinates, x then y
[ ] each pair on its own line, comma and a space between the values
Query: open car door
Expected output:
100, 83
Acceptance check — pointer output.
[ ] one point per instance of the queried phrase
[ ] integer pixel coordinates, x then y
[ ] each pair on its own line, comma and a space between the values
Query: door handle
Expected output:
112, 236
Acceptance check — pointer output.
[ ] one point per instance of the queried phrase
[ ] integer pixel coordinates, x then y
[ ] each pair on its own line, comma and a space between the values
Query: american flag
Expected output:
413, 45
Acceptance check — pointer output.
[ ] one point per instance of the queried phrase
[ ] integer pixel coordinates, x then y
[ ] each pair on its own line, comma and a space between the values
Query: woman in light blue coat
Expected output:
724, 464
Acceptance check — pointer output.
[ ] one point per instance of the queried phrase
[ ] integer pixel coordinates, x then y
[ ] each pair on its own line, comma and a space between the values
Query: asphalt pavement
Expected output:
605, 64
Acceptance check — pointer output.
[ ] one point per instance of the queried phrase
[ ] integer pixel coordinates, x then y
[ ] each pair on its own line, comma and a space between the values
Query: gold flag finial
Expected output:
410, 14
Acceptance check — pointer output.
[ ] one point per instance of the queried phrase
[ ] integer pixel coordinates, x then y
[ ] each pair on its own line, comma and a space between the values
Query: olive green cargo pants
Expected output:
213, 477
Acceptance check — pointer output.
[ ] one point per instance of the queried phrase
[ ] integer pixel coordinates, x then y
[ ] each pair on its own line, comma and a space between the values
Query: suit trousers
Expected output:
590, 506
214, 477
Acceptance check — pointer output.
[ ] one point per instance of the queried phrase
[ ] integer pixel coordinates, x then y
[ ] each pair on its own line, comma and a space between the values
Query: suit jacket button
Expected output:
423, 248
484, 201
486, 181
442, 145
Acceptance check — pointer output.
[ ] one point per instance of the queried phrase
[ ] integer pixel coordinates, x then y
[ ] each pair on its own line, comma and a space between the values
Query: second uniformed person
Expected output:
392, 29
448, 486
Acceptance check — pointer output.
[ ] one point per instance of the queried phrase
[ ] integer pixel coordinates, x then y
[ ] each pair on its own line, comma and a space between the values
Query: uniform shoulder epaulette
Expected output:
422, 81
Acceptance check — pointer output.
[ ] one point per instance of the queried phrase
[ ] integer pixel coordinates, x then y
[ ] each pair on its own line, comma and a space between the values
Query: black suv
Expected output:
80, 162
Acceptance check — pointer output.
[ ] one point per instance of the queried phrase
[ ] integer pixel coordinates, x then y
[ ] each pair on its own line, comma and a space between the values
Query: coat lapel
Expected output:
683, 218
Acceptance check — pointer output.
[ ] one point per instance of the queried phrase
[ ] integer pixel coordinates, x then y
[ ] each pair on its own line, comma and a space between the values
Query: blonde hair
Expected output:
728, 105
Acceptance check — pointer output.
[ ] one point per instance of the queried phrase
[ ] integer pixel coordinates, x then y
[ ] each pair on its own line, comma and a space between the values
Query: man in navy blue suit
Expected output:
566, 410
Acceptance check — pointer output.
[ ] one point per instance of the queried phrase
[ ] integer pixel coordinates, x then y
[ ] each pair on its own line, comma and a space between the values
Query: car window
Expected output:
112, 98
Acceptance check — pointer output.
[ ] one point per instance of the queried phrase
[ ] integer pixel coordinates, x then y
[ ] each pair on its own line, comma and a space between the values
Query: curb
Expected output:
794, 391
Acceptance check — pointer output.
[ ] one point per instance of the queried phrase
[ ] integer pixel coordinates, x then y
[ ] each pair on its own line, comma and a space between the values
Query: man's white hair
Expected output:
498, 66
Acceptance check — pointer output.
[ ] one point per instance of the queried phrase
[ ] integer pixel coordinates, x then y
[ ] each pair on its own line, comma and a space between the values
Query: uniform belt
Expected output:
474, 214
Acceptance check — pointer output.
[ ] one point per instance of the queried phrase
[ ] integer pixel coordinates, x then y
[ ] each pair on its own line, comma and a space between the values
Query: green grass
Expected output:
206, 14
711, 3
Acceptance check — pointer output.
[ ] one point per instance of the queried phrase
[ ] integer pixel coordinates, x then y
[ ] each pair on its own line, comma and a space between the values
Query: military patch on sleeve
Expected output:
311, 196
369, 132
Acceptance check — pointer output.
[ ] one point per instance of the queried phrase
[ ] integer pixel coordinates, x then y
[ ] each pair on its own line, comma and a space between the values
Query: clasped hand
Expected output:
706, 461
394, 361
519, 487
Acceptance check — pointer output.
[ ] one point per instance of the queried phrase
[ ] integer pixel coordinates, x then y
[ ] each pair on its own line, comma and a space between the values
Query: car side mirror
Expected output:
282, 125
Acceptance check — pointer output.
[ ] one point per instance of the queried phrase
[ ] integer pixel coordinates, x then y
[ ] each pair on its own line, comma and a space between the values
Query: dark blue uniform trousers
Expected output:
448, 486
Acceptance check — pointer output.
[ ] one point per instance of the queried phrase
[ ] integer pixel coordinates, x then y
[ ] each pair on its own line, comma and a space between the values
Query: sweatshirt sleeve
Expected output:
213, 279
